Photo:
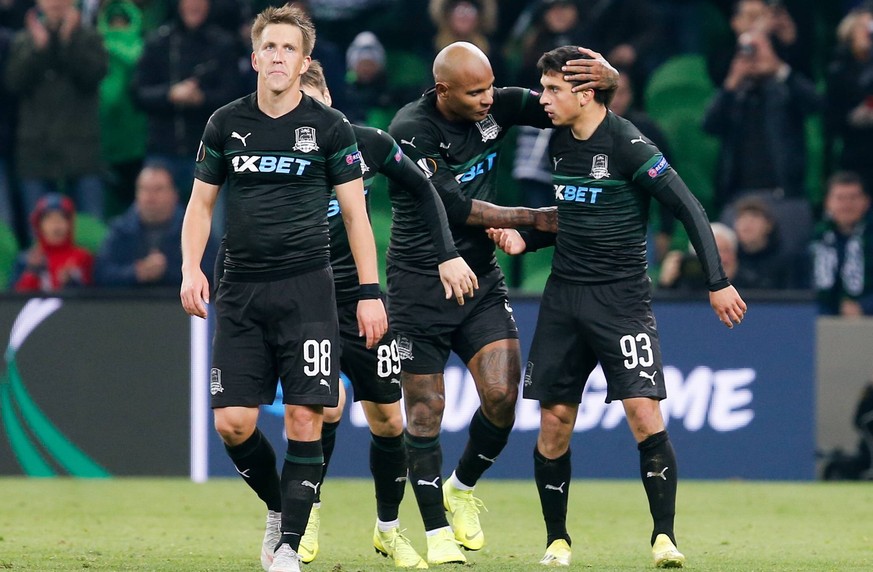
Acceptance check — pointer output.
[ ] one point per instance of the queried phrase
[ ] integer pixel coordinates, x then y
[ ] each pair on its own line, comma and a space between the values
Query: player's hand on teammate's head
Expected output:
194, 293
458, 279
372, 320
507, 239
546, 219
728, 306
594, 73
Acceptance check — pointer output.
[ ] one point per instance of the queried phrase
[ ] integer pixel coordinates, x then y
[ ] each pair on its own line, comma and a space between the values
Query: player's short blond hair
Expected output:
286, 14
314, 77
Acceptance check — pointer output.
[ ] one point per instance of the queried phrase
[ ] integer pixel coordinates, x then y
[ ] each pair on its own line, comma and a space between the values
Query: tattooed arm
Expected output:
488, 214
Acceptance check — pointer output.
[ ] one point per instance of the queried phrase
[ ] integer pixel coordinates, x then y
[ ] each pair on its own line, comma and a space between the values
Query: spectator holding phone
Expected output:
759, 115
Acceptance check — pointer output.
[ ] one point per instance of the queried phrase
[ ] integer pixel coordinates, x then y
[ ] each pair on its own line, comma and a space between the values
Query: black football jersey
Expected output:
461, 160
603, 189
279, 174
381, 154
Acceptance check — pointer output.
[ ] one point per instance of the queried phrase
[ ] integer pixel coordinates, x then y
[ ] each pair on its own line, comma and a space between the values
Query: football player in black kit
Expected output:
454, 132
596, 306
280, 153
375, 373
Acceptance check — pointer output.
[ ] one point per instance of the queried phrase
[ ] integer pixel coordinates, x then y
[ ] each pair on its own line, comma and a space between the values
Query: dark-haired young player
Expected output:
454, 133
280, 153
596, 306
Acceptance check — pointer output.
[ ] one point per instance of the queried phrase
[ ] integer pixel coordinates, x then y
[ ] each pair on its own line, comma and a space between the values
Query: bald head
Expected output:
464, 82
459, 61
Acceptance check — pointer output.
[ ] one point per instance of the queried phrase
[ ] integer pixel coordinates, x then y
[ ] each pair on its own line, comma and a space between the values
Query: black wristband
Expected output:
369, 292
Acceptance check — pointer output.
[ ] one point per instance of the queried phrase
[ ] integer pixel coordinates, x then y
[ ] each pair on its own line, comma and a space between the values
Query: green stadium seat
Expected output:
537, 267
90, 232
684, 69
694, 153
380, 220
407, 69
380, 117
9, 249
679, 84
815, 152
535, 282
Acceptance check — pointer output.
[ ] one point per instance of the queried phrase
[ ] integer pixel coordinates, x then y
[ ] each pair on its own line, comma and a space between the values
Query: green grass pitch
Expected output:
175, 525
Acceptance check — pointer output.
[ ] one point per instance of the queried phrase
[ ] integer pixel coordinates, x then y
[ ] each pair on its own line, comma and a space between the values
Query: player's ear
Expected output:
327, 98
254, 62
306, 61
441, 89
585, 97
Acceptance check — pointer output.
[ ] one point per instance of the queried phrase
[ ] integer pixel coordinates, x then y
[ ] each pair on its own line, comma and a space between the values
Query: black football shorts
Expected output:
374, 372
428, 327
281, 330
581, 325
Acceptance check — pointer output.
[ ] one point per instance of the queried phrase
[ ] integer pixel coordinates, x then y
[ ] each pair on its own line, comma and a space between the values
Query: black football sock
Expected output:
388, 466
328, 442
485, 443
425, 458
660, 476
301, 476
553, 485
255, 461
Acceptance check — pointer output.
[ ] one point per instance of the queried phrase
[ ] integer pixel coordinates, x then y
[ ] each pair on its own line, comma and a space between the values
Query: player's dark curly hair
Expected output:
552, 61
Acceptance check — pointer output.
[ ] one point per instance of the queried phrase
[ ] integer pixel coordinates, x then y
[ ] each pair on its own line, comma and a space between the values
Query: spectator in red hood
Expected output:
53, 263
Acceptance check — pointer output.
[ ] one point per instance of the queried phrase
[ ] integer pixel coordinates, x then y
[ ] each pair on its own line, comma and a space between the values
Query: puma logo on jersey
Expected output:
236, 135
638, 140
400, 480
484, 458
557, 160
411, 142
244, 474
661, 474
444, 145
649, 376
422, 482
559, 488
325, 383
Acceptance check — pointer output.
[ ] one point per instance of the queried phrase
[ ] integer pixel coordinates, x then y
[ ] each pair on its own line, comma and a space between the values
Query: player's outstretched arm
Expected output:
508, 240
458, 279
372, 320
488, 214
594, 73
728, 306
195, 233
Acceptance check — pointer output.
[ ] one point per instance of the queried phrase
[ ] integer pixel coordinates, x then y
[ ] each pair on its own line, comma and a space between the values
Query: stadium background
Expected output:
103, 386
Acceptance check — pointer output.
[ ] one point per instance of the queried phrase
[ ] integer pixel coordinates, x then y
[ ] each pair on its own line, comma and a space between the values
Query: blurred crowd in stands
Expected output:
765, 107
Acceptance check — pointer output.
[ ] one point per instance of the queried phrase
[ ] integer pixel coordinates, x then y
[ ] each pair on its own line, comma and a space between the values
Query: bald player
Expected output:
453, 133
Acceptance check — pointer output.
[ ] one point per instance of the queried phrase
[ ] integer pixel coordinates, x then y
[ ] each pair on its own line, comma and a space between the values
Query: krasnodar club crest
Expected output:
599, 167
404, 348
304, 139
488, 128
